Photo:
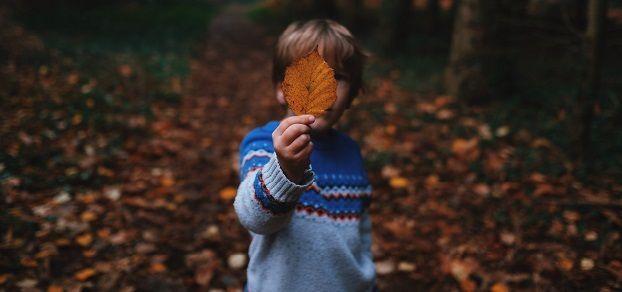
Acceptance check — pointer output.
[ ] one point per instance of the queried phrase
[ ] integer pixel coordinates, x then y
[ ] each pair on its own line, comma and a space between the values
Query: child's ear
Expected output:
279, 94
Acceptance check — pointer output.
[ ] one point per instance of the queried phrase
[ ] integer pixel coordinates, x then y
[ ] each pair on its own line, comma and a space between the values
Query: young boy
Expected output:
304, 193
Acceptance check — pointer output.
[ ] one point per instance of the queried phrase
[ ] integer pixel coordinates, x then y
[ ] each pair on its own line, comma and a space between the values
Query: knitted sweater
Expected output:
310, 237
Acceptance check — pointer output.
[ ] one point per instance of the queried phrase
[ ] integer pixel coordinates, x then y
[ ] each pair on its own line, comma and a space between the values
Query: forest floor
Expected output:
144, 202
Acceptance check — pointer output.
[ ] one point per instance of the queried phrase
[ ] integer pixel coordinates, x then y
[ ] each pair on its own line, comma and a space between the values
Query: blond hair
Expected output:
335, 43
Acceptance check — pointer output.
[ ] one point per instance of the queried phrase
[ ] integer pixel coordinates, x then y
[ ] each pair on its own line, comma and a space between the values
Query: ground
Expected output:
458, 202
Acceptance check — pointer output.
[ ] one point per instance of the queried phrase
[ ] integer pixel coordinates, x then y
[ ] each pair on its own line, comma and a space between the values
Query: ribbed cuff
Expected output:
280, 187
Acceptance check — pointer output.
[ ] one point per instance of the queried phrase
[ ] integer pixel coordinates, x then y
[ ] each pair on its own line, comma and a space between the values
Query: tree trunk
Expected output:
465, 76
591, 89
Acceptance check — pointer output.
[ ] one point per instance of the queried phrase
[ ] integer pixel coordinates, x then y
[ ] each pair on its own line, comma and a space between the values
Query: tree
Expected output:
596, 13
471, 40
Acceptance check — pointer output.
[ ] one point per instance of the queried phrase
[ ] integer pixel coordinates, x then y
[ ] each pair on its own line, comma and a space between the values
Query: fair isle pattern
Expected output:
342, 191
343, 202
267, 202
256, 154
337, 197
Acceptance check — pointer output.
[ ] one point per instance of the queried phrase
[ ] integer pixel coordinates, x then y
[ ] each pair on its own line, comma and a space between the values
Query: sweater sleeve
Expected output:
266, 198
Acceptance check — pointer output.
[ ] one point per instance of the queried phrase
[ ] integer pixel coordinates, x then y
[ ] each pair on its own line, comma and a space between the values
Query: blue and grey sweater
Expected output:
310, 237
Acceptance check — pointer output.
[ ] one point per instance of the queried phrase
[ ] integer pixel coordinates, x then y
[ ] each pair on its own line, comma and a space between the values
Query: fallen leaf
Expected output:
204, 274
385, 267
167, 181
444, 114
571, 216
543, 189
587, 264
84, 240
502, 131
157, 268
481, 189
62, 198
112, 193
88, 216
499, 287
565, 264
508, 238
468, 285
227, 193
591, 235
27, 283
28, 262
389, 171
84, 274
431, 181
309, 85
406, 267
398, 182
55, 288
236, 261
464, 148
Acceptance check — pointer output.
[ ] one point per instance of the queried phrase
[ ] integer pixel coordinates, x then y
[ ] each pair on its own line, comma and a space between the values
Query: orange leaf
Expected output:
88, 216
28, 262
84, 240
157, 268
466, 149
55, 288
463, 146
309, 85
468, 285
565, 264
167, 181
499, 287
399, 182
228, 193
431, 181
84, 274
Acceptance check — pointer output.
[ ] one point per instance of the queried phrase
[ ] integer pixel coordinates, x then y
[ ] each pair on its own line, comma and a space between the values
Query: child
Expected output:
304, 193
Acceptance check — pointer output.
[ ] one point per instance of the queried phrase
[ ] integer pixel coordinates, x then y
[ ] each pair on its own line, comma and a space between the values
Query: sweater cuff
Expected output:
280, 187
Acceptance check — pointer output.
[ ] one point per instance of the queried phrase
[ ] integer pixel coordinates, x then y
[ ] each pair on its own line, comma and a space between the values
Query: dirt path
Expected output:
176, 179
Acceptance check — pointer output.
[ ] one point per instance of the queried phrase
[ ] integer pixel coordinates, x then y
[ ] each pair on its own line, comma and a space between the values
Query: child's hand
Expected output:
292, 144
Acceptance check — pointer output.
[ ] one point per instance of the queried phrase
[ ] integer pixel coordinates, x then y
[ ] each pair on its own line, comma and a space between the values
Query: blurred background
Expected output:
490, 129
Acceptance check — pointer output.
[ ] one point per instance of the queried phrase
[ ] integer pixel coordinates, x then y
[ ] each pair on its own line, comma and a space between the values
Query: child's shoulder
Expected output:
260, 137
263, 130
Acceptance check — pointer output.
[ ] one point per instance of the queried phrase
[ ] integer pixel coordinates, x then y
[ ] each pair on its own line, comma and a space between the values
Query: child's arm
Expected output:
272, 182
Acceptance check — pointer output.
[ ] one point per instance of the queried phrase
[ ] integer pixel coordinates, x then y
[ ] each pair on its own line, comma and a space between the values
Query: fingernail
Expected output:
311, 119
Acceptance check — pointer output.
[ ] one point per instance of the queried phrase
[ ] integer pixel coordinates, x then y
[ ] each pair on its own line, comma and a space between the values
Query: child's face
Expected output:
332, 114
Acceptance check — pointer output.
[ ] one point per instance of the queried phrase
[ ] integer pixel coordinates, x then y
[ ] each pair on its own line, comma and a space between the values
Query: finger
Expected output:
305, 153
300, 143
302, 119
293, 132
